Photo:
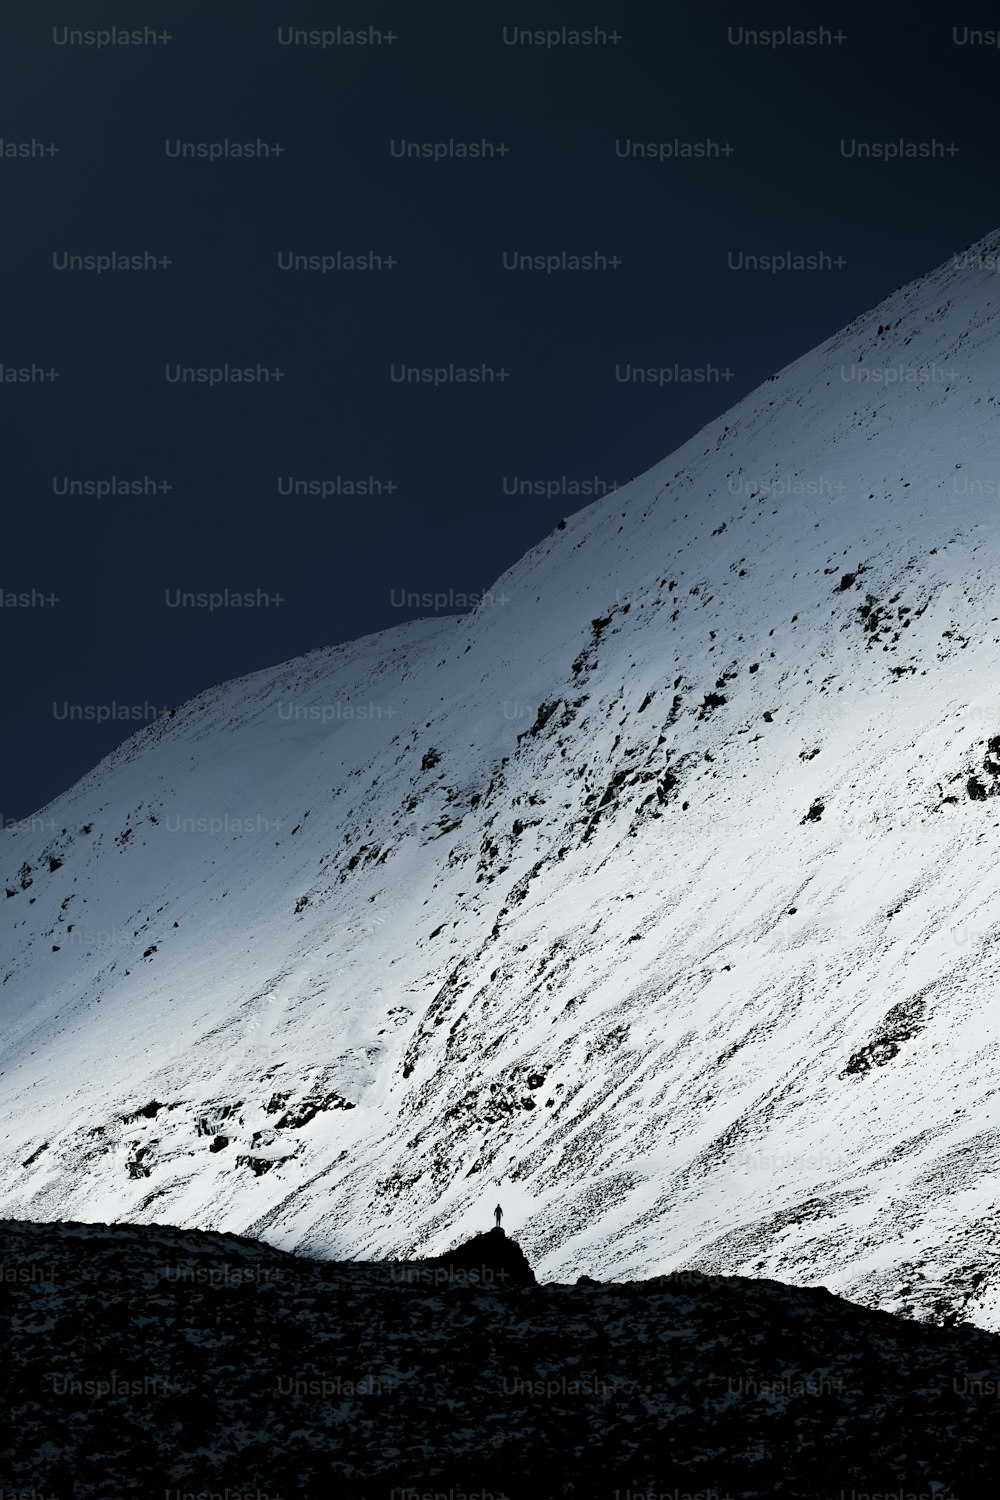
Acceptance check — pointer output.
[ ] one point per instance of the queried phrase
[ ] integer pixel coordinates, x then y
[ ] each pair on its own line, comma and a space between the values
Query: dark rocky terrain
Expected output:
154, 1361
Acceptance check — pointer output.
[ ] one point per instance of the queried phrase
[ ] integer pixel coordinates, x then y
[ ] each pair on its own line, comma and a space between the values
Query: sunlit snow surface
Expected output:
458, 937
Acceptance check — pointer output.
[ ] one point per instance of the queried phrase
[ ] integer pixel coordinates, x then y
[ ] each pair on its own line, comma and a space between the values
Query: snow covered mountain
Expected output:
657, 897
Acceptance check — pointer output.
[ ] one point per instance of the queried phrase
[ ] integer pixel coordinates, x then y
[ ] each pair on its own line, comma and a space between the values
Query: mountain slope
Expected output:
657, 895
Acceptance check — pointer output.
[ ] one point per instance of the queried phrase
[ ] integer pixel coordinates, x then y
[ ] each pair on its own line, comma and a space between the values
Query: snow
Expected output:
806, 1094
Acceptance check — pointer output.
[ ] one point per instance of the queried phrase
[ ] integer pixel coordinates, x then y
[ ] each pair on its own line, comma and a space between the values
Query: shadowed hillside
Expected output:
148, 1360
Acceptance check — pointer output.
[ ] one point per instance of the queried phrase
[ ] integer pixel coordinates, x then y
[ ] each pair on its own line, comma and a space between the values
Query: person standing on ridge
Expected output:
498, 1214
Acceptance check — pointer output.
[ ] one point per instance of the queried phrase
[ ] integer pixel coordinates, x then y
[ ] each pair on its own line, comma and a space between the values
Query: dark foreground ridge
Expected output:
158, 1362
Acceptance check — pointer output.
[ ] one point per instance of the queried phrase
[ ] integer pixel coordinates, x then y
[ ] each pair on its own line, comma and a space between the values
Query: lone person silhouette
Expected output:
498, 1214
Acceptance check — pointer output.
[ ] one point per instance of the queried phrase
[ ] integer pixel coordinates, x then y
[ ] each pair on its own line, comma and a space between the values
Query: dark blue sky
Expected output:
566, 185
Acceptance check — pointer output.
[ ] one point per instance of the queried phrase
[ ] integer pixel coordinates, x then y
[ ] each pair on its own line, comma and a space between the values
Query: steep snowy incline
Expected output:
657, 895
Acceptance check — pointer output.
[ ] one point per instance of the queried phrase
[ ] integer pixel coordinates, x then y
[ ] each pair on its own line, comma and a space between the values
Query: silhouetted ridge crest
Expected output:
496, 1259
